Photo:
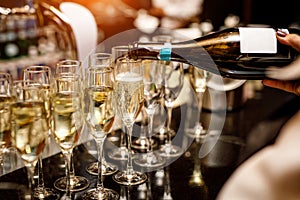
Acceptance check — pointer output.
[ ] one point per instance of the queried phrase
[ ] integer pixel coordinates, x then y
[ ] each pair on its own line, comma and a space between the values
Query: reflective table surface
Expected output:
246, 130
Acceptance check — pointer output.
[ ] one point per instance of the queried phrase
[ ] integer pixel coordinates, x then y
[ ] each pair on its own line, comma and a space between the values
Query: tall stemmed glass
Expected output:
129, 97
78, 183
6, 99
42, 76
173, 83
99, 116
67, 121
142, 142
29, 129
121, 153
198, 79
163, 132
153, 87
100, 60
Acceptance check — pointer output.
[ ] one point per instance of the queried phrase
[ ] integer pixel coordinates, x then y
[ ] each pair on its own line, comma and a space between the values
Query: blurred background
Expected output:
114, 16
43, 35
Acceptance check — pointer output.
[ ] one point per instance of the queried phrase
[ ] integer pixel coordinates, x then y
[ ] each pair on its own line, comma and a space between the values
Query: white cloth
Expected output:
84, 27
271, 174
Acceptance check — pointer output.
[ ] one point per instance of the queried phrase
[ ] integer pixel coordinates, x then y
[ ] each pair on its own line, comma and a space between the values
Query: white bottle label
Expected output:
258, 40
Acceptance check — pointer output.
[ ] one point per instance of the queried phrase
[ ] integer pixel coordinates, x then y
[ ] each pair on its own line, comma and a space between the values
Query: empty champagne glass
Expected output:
173, 83
78, 183
100, 60
163, 132
42, 76
153, 87
99, 116
29, 129
198, 79
129, 97
67, 121
6, 99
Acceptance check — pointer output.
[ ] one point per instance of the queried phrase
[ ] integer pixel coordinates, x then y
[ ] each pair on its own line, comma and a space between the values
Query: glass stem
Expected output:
72, 171
200, 100
169, 134
198, 126
41, 183
1, 160
143, 133
129, 138
122, 140
99, 143
30, 172
150, 129
167, 186
68, 157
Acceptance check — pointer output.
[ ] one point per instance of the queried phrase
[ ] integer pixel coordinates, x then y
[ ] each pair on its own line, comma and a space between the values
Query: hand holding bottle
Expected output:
286, 78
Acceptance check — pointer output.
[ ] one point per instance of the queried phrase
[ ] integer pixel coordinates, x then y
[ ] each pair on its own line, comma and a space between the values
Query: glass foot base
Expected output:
142, 144
135, 178
150, 160
170, 151
119, 154
45, 193
162, 134
108, 194
78, 183
107, 169
197, 133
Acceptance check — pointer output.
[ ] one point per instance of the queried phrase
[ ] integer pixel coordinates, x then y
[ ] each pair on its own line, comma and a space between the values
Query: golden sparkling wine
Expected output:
66, 119
5, 126
129, 105
99, 110
29, 129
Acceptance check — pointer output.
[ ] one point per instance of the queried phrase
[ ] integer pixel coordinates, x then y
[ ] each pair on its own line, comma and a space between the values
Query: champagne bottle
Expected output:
239, 53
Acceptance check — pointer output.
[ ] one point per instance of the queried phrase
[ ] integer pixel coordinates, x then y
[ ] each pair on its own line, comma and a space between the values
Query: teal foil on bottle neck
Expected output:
165, 54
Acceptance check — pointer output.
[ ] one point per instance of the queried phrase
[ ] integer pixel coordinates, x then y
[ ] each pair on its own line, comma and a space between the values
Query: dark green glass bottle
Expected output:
239, 53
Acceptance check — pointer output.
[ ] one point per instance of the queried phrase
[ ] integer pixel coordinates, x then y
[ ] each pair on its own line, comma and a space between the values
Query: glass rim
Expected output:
37, 68
5, 76
100, 54
69, 62
129, 60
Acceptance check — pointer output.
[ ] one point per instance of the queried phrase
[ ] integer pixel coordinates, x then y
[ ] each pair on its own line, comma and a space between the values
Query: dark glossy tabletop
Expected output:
260, 117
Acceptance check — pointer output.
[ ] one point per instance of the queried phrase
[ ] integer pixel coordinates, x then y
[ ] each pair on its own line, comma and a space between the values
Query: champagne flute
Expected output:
78, 183
129, 97
163, 132
29, 129
67, 120
153, 80
68, 66
6, 99
99, 116
100, 60
198, 79
42, 76
121, 153
173, 83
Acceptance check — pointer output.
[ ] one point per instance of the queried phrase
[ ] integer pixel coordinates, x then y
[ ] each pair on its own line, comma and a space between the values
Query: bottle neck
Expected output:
165, 51
157, 46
